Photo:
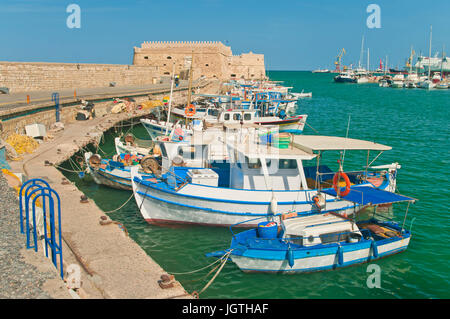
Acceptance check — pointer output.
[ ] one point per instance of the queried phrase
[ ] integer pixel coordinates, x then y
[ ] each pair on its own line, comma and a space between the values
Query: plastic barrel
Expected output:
265, 231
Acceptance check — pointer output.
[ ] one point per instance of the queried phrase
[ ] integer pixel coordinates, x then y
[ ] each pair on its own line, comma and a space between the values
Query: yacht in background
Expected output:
398, 81
345, 77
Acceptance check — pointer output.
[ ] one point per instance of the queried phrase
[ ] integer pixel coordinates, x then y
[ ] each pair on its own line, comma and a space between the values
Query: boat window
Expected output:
187, 152
256, 163
333, 237
163, 149
213, 112
247, 117
287, 164
227, 117
297, 240
236, 116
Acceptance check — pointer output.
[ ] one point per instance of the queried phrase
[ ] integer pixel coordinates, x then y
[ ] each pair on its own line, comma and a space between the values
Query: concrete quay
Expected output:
112, 264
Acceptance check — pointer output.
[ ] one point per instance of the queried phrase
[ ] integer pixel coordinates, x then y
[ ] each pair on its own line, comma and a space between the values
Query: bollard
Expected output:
28, 99
75, 94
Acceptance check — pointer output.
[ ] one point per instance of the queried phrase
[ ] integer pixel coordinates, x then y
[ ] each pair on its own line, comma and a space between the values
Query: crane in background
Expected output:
338, 61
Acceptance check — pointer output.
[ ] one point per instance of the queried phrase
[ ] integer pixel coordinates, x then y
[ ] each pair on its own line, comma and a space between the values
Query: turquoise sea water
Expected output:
414, 122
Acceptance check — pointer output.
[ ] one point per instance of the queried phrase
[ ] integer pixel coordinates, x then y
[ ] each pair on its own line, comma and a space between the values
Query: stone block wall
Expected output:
35, 76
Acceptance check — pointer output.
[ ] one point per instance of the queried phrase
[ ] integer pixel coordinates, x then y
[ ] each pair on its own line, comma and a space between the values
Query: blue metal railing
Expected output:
34, 190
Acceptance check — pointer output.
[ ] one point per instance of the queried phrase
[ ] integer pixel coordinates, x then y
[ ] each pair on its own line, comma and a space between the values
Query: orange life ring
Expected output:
347, 183
189, 110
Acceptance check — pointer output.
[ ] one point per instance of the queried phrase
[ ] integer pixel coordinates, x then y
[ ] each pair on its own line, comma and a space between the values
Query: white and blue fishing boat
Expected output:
301, 244
259, 180
116, 172
111, 172
129, 144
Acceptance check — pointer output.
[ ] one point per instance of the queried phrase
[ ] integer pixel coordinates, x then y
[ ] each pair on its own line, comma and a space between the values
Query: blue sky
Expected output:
293, 35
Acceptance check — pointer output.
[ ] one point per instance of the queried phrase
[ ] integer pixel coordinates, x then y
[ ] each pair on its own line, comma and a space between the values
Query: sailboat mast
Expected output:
429, 55
368, 60
361, 53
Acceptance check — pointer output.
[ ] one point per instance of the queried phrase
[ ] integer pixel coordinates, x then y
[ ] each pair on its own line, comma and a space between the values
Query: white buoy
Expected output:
273, 205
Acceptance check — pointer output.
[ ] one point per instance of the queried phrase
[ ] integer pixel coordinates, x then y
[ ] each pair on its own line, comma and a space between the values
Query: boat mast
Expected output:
170, 98
385, 65
361, 53
190, 84
368, 60
411, 60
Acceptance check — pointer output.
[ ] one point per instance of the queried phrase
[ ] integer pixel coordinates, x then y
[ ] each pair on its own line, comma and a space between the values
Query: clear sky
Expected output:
293, 35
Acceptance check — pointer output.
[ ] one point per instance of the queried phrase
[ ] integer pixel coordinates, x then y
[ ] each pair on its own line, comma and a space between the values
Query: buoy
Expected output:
374, 249
340, 253
290, 256
273, 205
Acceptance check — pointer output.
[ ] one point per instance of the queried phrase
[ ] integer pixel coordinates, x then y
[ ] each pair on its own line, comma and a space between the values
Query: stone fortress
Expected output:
212, 59
151, 61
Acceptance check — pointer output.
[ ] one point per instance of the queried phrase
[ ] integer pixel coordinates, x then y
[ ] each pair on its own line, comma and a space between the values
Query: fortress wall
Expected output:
34, 76
211, 59
247, 66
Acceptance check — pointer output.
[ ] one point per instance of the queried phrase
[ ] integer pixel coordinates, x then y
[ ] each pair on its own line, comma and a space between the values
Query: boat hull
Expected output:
117, 178
321, 259
215, 206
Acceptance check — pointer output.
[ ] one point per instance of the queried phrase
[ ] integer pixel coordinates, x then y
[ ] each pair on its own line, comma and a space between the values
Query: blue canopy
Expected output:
366, 195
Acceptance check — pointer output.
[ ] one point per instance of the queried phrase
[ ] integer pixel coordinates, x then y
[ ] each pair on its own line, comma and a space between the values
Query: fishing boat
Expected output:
129, 144
442, 85
166, 151
114, 173
301, 244
261, 179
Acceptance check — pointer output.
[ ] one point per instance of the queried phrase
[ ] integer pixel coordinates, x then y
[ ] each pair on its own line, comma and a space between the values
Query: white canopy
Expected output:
311, 143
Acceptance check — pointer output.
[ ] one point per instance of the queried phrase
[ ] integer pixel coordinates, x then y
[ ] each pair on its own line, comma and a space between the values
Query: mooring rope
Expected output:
215, 275
111, 211
312, 128
65, 169
197, 270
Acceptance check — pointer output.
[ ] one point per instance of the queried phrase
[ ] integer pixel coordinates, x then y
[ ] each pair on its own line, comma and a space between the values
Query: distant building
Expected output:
212, 59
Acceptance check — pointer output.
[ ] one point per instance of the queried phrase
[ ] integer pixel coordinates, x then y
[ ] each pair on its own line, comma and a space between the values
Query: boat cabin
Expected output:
320, 229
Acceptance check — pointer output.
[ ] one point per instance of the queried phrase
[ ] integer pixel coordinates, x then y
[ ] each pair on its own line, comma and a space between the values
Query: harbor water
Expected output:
413, 121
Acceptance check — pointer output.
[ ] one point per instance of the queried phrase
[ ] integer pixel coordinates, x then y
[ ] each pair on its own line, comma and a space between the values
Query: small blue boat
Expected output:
316, 242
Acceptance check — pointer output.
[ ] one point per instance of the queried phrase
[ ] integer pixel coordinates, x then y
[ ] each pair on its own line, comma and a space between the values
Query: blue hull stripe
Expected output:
348, 263
138, 181
224, 212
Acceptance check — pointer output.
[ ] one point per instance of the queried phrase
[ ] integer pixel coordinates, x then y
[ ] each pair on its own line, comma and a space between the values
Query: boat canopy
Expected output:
251, 149
311, 143
366, 195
